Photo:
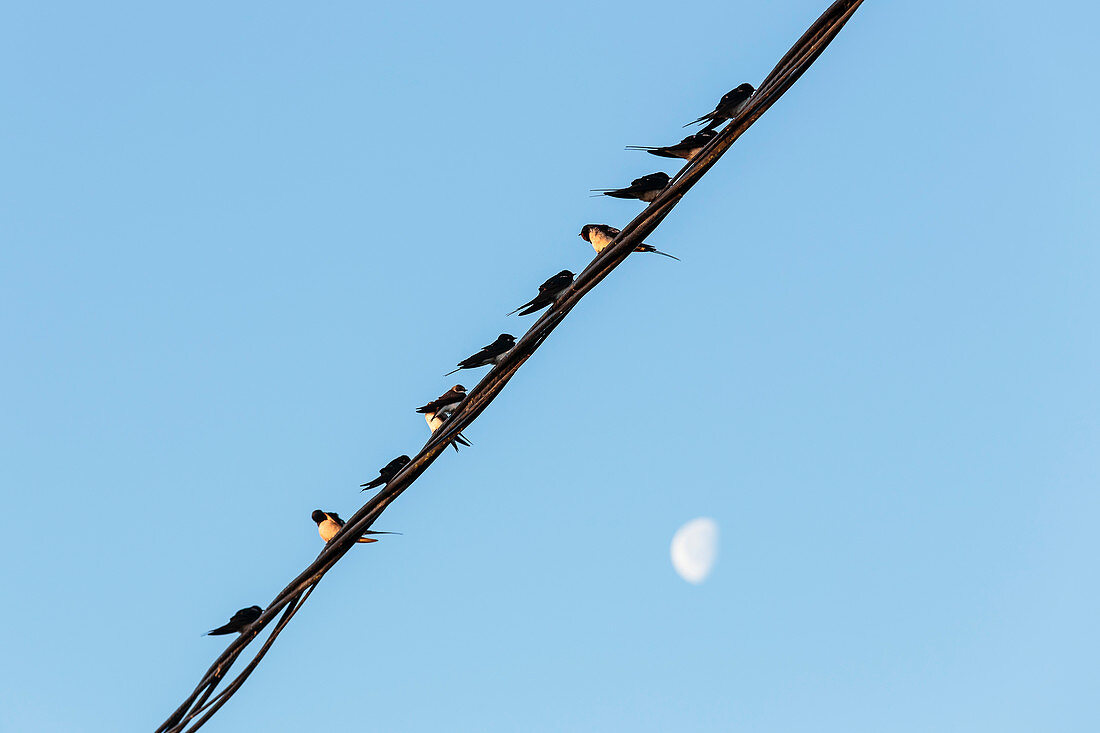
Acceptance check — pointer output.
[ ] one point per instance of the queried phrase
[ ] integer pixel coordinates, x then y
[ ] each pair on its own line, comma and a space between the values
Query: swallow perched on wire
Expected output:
329, 523
438, 410
387, 472
646, 188
239, 620
548, 293
729, 106
600, 235
494, 353
687, 148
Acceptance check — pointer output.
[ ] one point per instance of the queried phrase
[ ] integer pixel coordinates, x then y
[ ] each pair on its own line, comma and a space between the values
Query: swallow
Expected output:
329, 523
240, 619
387, 472
435, 422
646, 188
600, 235
446, 402
729, 106
494, 353
438, 410
687, 148
548, 293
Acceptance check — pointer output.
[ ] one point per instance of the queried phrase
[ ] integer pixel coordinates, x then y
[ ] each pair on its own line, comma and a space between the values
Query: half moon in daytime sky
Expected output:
694, 549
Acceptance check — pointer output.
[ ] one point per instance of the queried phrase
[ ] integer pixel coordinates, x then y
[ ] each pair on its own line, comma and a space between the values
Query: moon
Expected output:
694, 549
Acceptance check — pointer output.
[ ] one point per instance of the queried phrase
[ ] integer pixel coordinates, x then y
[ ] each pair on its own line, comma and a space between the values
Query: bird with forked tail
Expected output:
647, 188
438, 410
387, 472
238, 621
729, 106
329, 524
549, 291
494, 353
687, 148
601, 235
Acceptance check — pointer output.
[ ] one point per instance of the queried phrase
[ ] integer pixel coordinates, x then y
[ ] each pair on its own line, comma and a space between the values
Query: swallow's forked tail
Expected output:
525, 305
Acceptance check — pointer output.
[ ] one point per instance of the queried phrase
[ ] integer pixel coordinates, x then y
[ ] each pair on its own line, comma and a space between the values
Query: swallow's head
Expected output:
319, 516
566, 273
586, 230
507, 338
459, 389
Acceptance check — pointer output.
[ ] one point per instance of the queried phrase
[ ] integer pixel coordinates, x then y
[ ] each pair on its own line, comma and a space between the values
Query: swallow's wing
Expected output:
395, 465
690, 145
495, 349
735, 98
708, 117
556, 284
434, 405
672, 151
537, 304
481, 358
650, 181
654, 250
528, 303
663, 151
698, 139
244, 616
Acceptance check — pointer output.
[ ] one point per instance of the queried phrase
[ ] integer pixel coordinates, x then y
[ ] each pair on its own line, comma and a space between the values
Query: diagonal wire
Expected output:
201, 704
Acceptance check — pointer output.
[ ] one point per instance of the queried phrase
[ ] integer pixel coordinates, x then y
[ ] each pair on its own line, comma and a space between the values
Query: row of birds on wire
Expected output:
436, 412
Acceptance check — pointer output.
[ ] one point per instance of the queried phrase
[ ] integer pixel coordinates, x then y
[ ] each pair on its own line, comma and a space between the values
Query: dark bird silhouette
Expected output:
729, 106
494, 353
387, 472
687, 148
329, 523
646, 188
548, 293
600, 235
239, 620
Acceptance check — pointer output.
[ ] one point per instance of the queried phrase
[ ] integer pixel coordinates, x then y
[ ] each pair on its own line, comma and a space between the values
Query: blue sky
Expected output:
241, 243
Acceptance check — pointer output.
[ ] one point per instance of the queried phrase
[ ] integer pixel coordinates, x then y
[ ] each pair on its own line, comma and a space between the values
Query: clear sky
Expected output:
240, 243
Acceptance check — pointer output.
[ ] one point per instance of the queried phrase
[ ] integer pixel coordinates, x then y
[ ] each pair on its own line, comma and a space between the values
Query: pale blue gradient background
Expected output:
241, 243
